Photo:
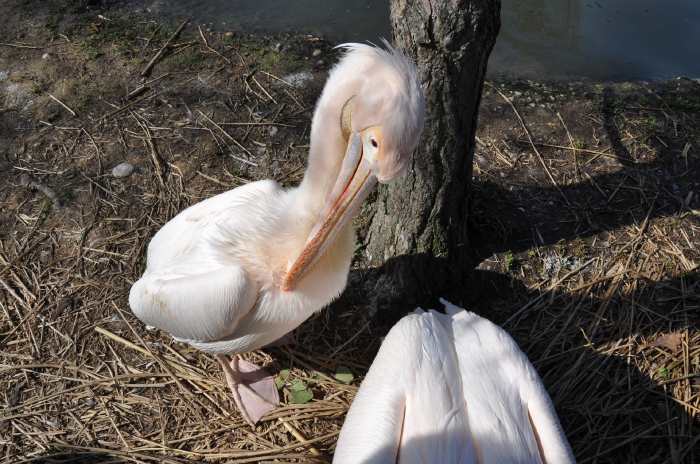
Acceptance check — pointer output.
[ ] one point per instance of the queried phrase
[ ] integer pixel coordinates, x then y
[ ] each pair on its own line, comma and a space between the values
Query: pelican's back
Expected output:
451, 388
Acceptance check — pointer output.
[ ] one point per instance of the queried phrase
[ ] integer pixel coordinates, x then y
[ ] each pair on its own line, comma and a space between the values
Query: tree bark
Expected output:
418, 227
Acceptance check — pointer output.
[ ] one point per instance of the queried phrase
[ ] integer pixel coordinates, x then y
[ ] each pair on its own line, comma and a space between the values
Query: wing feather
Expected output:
200, 307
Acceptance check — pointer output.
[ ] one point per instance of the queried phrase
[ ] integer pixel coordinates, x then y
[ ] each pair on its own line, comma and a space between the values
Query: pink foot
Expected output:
253, 389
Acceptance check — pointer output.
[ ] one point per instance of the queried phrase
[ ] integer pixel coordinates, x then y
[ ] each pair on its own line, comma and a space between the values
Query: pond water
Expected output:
598, 39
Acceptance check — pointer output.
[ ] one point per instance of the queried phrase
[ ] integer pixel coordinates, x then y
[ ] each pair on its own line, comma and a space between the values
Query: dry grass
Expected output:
601, 292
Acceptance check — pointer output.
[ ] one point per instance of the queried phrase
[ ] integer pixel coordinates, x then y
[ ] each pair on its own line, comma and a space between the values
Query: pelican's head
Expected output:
386, 108
366, 126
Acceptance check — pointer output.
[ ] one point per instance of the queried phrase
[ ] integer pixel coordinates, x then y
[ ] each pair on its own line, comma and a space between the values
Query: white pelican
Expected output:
451, 388
240, 270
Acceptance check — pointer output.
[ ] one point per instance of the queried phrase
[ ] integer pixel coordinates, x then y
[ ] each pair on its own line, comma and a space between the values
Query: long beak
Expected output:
354, 184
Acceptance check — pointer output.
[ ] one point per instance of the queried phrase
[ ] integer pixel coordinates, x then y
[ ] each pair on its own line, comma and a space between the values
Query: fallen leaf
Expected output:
670, 341
281, 378
300, 396
297, 385
343, 375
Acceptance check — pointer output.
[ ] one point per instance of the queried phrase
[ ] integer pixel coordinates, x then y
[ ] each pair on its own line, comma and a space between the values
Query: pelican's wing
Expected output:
554, 447
202, 307
194, 286
372, 429
409, 408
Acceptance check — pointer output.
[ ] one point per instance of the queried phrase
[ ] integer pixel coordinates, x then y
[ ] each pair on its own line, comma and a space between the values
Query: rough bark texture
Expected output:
418, 231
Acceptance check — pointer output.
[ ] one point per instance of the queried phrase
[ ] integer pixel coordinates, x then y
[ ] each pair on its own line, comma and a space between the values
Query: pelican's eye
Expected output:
373, 142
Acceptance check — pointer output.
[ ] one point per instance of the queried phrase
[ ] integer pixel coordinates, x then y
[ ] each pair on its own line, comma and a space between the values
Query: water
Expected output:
597, 39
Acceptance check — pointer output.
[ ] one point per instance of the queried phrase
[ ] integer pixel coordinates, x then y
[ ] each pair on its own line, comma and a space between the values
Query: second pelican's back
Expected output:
451, 388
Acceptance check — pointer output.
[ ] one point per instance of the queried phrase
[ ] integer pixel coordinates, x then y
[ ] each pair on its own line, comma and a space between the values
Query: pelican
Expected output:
451, 388
238, 271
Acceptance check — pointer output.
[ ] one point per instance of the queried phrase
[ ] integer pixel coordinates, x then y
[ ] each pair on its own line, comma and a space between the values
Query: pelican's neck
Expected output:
327, 145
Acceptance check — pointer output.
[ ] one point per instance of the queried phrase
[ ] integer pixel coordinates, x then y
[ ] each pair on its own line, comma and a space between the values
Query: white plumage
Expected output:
451, 388
240, 270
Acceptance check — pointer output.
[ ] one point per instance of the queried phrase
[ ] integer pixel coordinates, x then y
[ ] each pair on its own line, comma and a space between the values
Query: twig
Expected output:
206, 44
297, 434
68, 108
144, 86
14, 45
228, 136
532, 143
573, 146
146, 71
155, 156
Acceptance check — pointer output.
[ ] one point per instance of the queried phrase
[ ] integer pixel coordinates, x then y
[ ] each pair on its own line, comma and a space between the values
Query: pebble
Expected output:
122, 170
316, 53
228, 34
273, 131
45, 56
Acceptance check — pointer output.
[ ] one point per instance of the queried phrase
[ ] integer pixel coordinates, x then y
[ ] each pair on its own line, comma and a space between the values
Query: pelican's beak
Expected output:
355, 182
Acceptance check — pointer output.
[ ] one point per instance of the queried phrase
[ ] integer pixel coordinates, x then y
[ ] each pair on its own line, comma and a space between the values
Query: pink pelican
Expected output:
240, 270
451, 388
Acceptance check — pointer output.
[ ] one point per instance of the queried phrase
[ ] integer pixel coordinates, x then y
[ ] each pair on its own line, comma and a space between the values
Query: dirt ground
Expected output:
585, 218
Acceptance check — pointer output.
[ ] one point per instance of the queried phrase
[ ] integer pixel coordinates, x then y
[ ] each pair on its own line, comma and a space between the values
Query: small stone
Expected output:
45, 56
278, 47
518, 93
316, 53
273, 131
228, 34
122, 170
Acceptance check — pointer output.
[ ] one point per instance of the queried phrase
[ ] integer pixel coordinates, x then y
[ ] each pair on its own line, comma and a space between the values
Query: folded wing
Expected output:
202, 307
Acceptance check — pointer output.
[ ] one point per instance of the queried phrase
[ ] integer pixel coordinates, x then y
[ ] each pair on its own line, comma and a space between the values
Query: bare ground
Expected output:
587, 234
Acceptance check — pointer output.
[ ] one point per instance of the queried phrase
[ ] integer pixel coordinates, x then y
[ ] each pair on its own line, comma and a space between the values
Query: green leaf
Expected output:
281, 378
297, 385
343, 375
301, 396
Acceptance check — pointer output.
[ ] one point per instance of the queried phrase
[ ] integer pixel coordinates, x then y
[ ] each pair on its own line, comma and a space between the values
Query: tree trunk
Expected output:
418, 227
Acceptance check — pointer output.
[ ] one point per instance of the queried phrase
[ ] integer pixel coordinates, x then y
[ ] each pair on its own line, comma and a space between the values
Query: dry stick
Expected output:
573, 146
163, 49
263, 89
206, 44
127, 106
150, 39
532, 143
228, 136
14, 45
68, 108
144, 86
624, 442
155, 157
297, 434
349, 340
162, 362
